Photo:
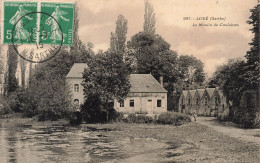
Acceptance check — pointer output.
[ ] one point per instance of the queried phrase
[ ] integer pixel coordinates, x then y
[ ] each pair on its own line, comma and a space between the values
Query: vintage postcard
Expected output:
129, 81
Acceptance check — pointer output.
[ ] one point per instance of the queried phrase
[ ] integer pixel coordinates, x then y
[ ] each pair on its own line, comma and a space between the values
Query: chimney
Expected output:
161, 80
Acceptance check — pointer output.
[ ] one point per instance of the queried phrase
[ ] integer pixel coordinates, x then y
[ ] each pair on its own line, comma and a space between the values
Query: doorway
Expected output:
149, 106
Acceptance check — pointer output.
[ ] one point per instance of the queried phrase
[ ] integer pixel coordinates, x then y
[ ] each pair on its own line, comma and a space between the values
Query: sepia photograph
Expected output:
129, 81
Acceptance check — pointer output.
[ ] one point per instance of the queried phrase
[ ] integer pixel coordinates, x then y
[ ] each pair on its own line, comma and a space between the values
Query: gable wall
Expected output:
76, 95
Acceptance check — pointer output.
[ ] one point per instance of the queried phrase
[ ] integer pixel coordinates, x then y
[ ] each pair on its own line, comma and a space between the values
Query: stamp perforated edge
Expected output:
64, 2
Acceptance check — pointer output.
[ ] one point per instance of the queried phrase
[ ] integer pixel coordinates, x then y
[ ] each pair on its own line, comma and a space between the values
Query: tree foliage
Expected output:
149, 18
105, 79
118, 39
192, 70
240, 80
48, 89
154, 56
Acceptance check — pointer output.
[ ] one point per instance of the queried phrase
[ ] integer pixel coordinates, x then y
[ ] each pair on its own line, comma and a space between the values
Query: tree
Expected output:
149, 18
23, 68
1, 61
118, 39
106, 79
192, 70
48, 95
81, 52
12, 83
149, 50
252, 56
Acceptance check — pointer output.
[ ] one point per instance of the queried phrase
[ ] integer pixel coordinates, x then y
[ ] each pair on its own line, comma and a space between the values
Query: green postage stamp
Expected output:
61, 15
15, 19
38, 23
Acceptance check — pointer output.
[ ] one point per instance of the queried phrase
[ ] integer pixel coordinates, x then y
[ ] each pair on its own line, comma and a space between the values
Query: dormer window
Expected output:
76, 88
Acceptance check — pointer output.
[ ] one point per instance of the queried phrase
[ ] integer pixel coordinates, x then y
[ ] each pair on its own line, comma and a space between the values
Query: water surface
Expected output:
75, 144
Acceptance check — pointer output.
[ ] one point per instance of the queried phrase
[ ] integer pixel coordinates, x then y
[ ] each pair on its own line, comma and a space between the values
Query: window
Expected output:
206, 101
216, 101
159, 103
76, 102
131, 103
197, 101
76, 88
122, 104
189, 102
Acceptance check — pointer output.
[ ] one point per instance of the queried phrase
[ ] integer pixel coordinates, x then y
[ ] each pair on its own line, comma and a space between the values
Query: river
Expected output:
74, 144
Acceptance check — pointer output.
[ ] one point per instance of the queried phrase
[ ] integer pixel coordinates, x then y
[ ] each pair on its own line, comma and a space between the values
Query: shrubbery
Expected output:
174, 118
115, 116
133, 118
4, 107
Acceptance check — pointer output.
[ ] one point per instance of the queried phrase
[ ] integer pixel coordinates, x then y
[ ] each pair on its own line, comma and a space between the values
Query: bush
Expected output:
4, 107
224, 116
75, 118
174, 118
13, 102
115, 116
133, 118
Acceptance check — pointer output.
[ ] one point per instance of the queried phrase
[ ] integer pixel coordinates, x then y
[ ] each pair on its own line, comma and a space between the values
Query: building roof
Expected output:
201, 92
77, 70
145, 83
185, 93
192, 93
210, 91
139, 82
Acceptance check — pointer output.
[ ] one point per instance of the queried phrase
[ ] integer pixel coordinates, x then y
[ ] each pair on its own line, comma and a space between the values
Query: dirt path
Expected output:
227, 128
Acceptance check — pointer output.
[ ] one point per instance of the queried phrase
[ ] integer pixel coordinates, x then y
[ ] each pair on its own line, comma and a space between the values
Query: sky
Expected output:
213, 45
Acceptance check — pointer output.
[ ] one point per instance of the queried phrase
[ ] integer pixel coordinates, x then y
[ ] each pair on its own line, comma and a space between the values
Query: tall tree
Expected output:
12, 83
23, 68
106, 79
118, 39
252, 56
78, 48
149, 18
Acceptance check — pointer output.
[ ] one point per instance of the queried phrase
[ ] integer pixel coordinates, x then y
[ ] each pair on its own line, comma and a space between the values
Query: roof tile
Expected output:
77, 70
145, 83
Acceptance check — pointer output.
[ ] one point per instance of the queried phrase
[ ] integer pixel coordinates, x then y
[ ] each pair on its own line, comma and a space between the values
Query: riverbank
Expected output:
16, 119
192, 142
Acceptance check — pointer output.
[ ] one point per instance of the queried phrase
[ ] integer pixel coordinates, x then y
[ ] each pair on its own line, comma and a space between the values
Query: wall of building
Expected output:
196, 105
212, 108
76, 95
223, 108
182, 103
214, 103
141, 102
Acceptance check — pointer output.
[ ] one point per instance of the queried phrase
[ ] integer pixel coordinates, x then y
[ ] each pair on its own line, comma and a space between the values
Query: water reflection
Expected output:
73, 144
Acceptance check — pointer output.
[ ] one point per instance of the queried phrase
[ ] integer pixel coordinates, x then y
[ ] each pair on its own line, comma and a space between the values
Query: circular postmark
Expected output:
37, 42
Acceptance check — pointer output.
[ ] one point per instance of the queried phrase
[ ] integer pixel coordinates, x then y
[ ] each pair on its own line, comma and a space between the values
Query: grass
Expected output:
203, 144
